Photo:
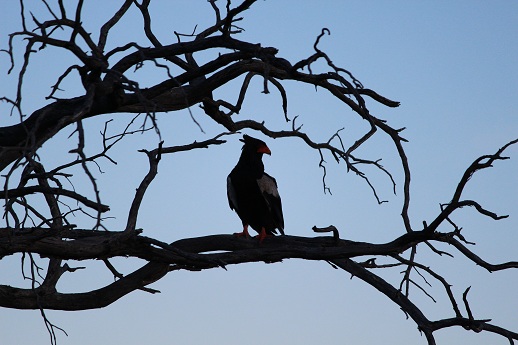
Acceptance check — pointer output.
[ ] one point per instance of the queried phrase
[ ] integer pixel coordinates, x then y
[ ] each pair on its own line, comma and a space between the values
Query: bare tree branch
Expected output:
193, 68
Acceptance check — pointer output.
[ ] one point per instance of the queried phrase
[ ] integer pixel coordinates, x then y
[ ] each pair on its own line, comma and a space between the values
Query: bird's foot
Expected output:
262, 235
244, 233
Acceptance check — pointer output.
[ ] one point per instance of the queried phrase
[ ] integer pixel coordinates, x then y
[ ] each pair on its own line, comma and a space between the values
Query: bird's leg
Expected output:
244, 232
262, 235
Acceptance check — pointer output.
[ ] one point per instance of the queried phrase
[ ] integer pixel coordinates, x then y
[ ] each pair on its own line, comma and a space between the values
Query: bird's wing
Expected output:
231, 194
268, 187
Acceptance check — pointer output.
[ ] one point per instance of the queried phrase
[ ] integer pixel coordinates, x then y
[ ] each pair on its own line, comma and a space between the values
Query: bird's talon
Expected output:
262, 235
243, 233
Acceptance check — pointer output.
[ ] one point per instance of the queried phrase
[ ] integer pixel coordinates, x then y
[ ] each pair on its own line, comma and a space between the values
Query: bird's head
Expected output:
255, 145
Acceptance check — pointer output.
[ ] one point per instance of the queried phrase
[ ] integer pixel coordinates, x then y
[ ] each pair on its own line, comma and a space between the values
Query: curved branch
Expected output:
36, 298
103, 35
476, 259
392, 293
18, 192
483, 162
423, 323
153, 158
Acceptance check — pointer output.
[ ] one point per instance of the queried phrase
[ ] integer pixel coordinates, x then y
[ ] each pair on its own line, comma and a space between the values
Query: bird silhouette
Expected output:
253, 194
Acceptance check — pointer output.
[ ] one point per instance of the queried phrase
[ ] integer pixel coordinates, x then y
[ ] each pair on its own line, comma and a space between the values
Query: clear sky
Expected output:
453, 67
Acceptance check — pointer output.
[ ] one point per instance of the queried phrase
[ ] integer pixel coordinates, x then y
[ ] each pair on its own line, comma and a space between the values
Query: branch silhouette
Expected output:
41, 197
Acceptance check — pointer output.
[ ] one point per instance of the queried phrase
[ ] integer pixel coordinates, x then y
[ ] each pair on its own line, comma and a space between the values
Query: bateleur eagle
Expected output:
252, 193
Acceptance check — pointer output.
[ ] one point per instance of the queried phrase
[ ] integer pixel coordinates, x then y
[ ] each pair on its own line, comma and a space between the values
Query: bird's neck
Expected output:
251, 161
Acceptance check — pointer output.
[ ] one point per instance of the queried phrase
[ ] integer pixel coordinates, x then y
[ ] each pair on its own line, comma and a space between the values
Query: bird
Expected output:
253, 194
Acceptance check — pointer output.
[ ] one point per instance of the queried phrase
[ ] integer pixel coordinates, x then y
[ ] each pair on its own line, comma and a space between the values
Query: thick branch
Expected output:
87, 244
35, 299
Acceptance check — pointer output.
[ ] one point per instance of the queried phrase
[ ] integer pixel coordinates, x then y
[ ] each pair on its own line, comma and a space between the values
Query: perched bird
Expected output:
252, 193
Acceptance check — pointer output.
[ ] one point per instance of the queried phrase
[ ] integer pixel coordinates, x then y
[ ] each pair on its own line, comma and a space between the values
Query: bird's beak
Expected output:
264, 149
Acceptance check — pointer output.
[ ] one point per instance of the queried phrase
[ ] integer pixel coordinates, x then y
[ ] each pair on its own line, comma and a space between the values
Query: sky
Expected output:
452, 65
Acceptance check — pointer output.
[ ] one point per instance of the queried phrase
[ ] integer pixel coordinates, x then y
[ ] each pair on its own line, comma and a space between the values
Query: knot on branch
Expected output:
330, 228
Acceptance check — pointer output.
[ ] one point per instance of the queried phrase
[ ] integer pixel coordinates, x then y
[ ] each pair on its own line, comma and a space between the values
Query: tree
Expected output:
55, 209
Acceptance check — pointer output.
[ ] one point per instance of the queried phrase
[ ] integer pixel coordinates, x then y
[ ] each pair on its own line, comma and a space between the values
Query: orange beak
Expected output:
264, 149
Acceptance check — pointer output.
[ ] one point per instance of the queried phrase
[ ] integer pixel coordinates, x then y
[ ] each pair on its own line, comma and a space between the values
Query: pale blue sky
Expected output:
453, 67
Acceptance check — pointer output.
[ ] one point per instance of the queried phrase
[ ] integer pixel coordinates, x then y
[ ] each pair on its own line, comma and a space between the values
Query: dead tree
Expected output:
38, 212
